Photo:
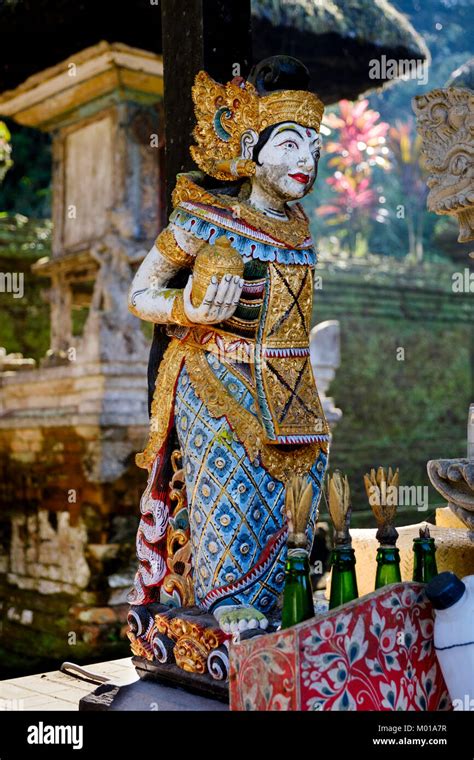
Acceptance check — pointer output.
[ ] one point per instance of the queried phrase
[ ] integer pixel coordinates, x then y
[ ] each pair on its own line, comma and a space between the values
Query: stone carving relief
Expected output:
445, 121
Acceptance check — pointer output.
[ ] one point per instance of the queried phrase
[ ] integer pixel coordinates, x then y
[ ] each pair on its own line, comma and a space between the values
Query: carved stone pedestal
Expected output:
172, 675
182, 646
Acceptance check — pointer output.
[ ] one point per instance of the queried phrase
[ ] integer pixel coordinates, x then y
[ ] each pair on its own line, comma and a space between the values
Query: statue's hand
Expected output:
219, 302
235, 619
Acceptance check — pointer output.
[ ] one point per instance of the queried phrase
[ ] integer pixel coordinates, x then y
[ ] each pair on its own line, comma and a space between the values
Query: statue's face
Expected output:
287, 163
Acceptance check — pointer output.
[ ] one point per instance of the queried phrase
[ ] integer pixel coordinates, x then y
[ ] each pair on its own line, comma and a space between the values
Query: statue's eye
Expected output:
289, 144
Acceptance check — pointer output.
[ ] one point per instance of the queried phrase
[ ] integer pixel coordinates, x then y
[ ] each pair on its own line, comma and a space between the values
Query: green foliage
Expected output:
400, 412
5, 150
26, 188
24, 326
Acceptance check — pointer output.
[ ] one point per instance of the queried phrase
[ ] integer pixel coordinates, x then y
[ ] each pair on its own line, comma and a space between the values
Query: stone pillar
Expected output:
103, 110
59, 297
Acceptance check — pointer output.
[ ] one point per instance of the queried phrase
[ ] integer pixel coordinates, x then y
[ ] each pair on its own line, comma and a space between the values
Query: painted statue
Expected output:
235, 406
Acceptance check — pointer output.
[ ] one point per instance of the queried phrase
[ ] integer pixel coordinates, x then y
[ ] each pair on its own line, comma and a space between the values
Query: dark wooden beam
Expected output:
213, 35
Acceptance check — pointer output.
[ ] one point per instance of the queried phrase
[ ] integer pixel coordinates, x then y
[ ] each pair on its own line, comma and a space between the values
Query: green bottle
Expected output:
388, 566
424, 561
297, 595
343, 576
382, 491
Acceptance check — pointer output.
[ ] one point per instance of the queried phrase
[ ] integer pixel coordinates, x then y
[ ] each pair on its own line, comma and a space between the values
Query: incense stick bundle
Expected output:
298, 500
340, 507
382, 492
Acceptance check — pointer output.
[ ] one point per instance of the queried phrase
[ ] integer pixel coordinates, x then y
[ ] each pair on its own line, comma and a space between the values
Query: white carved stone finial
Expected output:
325, 352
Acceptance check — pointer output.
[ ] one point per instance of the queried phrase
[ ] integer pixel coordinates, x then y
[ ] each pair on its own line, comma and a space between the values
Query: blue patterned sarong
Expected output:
237, 512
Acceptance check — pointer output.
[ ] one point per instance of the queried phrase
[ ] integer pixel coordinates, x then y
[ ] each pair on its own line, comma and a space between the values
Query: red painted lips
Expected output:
299, 177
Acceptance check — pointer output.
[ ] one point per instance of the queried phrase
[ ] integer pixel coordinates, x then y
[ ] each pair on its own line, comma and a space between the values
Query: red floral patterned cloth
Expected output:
375, 653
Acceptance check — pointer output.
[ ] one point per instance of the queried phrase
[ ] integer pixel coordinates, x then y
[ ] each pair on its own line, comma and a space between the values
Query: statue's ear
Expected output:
248, 141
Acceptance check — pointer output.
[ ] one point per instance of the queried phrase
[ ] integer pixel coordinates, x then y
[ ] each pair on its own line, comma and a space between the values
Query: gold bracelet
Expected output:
169, 248
178, 315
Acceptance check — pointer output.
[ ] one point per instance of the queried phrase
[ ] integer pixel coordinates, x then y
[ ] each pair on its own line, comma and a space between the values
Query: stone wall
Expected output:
69, 496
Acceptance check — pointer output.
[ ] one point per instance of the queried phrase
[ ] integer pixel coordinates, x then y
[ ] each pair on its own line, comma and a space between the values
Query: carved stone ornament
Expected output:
445, 121
454, 479
186, 637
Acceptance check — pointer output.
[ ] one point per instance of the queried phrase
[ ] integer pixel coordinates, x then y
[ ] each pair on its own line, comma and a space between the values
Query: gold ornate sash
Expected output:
287, 396
280, 464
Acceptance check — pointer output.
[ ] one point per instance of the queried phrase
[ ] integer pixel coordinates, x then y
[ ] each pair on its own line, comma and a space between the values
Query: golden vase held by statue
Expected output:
214, 260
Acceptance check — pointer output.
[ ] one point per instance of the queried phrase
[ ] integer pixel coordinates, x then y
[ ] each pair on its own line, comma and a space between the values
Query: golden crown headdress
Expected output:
225, 112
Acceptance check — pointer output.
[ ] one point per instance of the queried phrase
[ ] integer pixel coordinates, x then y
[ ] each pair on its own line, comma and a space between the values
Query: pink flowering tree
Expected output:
357, 147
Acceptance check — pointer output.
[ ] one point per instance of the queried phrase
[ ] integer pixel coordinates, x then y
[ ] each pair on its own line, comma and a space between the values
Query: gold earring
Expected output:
236, 167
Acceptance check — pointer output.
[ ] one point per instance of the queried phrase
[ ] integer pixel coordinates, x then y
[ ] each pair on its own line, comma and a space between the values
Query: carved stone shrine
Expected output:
68, 429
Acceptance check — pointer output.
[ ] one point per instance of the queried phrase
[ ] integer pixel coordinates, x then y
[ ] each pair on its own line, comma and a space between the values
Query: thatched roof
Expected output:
335, 38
